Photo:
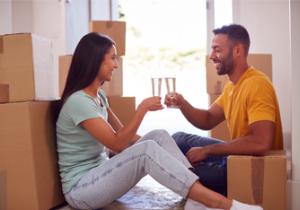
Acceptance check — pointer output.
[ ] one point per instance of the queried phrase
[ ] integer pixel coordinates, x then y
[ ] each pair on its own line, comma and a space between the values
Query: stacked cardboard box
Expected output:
114, 29
29, 177
4, 93
28, 156
259, 180
215, 84
26, 66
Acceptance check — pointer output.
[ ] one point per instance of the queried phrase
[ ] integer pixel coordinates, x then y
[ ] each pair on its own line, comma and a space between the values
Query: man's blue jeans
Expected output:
212, 172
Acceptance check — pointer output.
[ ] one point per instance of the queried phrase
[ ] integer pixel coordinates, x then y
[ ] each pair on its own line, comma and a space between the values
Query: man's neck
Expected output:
237, 72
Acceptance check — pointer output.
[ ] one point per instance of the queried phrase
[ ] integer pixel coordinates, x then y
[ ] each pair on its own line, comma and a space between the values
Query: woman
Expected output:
86, 125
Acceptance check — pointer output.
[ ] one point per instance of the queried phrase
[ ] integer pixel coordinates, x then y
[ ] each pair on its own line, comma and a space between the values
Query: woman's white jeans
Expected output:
155, 154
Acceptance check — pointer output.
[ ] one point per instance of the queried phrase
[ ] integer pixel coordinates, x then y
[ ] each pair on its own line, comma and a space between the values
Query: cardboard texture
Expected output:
215, 83
2, 189
28, 156
259, 180
4, 93
26, 65
114, 29
1, 44
221, 131
115, 86
64, 65
112, 88
123, 107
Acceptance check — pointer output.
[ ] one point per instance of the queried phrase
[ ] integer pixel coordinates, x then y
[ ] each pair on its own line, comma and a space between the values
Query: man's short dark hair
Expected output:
236, 33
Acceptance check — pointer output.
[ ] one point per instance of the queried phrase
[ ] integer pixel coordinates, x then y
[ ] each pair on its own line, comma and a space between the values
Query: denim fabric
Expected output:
212, 172
155, 154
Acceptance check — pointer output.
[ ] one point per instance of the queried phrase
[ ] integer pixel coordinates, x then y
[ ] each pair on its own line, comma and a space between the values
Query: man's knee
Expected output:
180, 139
179, 136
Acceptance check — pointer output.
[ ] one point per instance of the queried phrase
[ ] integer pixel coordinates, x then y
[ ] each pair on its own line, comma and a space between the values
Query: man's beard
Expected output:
226, 64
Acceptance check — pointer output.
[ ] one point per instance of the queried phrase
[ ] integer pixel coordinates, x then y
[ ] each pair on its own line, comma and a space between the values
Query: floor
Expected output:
146, 195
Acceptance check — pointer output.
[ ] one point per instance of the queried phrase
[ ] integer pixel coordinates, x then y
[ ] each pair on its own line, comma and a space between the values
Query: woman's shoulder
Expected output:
77, 97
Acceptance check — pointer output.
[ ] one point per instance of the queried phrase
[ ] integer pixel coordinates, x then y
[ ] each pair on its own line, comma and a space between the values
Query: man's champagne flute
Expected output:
171, 88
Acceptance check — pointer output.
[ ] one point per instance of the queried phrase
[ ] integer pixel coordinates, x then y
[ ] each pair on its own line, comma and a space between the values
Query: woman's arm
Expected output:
115, 136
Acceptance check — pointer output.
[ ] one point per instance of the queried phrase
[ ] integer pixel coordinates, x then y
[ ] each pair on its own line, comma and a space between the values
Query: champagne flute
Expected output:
171, 89
156, 86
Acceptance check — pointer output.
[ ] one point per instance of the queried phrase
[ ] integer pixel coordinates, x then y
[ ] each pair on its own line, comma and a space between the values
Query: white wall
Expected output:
5, 17
268, 24
295, 61
295, 44
274, 28
22, 16
101, 9
76, 23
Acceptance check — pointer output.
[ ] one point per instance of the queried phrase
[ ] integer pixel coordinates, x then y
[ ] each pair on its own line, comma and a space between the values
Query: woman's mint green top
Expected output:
78, 151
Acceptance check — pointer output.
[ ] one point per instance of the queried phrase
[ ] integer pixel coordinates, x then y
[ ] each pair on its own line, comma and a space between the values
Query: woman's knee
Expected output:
157, 133
145, 146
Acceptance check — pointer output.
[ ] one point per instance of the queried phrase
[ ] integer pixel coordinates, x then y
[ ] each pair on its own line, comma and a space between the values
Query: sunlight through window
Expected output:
168, 37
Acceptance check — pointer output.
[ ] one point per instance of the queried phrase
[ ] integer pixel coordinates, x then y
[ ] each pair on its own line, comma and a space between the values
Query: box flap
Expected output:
45, 75
115, 29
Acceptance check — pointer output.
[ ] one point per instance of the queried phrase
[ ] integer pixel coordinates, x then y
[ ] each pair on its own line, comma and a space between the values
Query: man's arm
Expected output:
200, 118
257, 142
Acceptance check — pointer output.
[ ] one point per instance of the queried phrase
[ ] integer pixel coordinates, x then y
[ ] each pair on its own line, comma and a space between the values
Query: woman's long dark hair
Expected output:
87, 59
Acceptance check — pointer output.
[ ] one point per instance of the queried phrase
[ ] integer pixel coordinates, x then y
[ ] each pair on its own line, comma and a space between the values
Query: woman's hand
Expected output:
151, 104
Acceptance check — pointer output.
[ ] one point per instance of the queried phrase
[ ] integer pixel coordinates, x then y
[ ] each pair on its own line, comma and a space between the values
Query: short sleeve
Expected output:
103, 98
80, 108
261, 102
223, 98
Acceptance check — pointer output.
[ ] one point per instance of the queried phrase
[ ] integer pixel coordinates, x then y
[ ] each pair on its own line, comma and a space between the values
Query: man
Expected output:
248, 103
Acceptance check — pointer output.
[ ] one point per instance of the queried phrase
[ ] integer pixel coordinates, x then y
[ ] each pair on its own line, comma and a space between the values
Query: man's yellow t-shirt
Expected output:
251, 99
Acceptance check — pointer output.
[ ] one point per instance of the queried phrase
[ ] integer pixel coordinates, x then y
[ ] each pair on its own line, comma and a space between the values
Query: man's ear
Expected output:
238, 50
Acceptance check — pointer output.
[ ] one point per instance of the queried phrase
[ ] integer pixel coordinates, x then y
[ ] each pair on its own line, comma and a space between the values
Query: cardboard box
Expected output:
2, 189
221, 131
259, 180
215, 83
4, 93
115, 86
112, 88
26, 65
114, 29
28, 157
123, 107
64, 65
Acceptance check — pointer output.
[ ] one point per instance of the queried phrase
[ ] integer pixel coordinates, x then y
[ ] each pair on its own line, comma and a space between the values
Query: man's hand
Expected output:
197, 154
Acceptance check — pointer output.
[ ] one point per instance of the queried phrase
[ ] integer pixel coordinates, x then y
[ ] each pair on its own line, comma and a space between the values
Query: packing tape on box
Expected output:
4, 93
257, 178
2, 190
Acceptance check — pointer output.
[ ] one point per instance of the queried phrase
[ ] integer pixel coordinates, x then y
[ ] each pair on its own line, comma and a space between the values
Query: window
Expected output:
168, 37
